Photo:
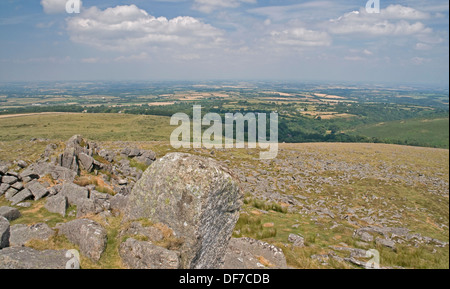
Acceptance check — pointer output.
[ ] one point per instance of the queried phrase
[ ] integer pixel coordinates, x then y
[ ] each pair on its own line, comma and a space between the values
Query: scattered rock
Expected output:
385, 242
21, 196
196, 197
9, 179
41, 169
144, 255
147, 158
3, 170
364, 236
9, 213
38, 190
87, 234
296, 240
86, 162
74, 193
247, 253
11, 192
28, 258
22, 164
21, 234
85, 207
57, 204
68, 159
4, 232
3, 189
24, 204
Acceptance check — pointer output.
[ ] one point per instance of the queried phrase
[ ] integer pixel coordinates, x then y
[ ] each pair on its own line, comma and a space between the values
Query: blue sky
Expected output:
407, 42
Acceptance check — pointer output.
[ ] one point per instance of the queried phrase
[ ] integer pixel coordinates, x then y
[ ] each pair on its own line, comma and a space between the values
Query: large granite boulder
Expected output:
197, 197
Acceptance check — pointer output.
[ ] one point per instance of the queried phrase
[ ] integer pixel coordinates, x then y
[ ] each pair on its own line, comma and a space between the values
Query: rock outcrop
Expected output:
197, 198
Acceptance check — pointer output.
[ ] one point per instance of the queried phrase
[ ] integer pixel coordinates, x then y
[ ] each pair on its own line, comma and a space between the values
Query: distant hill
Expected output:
421, 132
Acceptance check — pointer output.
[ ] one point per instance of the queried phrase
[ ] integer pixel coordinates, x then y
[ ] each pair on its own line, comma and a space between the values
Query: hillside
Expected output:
432, 132
340, 198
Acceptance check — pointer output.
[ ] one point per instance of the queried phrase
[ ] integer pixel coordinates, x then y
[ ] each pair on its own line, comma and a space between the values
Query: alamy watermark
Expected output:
373, 6
213, 136
374, 262
74, 262
73, 6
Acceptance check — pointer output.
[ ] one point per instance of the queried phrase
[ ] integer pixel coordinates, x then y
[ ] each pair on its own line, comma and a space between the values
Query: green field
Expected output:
422, 132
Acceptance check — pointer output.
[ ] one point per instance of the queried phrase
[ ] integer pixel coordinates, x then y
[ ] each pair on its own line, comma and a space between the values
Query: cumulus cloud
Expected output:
403, 12
301, 37
128, 28
207, 6
394, 20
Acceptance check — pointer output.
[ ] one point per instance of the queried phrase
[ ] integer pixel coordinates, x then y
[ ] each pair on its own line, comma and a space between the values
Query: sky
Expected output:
406, 42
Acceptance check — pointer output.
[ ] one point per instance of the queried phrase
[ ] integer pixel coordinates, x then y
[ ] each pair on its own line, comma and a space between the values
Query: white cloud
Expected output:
422, 46
207, 6
391, 21
135, 57
128, 28
90, 60
419, 60
403, 12
301, 37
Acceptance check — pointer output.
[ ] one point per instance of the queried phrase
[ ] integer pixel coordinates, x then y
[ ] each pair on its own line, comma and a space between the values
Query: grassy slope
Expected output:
429, 132
401, 160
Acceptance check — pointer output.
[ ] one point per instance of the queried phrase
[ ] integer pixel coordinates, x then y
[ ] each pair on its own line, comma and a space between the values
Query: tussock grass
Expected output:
138, 165
252, 226
266, 206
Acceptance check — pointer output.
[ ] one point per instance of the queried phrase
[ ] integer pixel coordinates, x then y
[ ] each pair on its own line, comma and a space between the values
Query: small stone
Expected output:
22, 164
4, 232
38, 190
386, 243
9, 180
21, 196
296, 240
9, 213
